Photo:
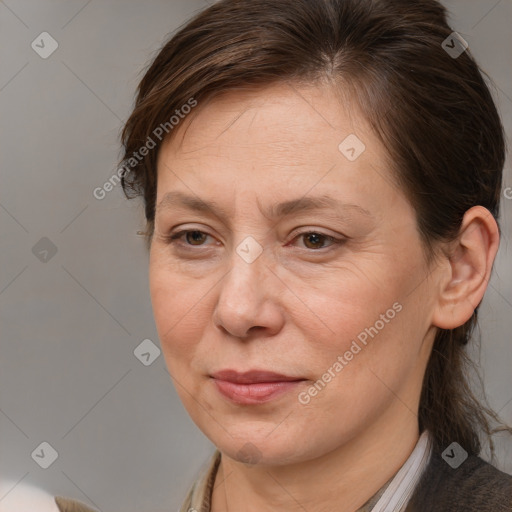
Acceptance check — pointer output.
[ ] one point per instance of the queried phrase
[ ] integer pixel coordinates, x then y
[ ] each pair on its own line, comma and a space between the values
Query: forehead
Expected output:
282, 119
282, 138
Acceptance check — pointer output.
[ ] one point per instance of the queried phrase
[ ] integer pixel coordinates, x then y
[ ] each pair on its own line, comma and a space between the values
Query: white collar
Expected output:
400, 489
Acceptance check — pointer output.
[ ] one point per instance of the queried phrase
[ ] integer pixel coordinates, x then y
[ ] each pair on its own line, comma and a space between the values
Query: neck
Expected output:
343, 479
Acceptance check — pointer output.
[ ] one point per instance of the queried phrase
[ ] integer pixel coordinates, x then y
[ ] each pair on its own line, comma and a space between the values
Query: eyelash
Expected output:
173, 237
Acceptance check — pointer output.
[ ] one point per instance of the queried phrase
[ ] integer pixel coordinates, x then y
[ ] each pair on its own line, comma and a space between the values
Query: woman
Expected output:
321, 181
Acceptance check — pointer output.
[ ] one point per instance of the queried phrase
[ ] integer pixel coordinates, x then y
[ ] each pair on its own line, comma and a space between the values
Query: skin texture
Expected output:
303, 301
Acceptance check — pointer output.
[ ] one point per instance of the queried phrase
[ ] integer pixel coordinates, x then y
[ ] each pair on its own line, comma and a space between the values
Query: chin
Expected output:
257, 446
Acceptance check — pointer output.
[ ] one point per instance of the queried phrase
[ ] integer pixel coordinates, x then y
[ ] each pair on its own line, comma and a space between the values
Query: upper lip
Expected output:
252, 376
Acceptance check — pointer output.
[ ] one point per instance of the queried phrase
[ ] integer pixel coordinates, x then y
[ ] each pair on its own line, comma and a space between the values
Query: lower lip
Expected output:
254, 393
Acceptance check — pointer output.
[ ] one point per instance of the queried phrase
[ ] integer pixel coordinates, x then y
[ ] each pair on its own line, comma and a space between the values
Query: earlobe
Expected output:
468, 269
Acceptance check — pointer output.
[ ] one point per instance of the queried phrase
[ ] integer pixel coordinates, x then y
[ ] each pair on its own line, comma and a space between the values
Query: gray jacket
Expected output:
474, 486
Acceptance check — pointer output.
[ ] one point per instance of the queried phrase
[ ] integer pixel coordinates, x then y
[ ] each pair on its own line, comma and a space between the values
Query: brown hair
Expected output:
433, 112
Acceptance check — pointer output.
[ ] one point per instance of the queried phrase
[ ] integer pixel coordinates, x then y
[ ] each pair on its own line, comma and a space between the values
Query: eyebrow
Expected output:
285, 209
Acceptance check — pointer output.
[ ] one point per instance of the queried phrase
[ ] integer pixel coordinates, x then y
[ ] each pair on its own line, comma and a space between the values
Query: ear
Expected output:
468, 269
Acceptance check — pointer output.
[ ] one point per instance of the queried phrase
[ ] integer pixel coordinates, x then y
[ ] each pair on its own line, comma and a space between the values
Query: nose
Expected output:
248, 303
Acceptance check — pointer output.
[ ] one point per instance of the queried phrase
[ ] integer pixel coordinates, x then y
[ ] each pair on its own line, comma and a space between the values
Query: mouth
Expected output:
254, 386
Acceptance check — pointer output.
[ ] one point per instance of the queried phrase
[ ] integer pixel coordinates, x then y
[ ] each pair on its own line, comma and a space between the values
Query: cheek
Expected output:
360, 332
382, 369
343, 303
176, 309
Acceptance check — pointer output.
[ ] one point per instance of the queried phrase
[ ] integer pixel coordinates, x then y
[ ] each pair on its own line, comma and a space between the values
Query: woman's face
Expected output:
333, 291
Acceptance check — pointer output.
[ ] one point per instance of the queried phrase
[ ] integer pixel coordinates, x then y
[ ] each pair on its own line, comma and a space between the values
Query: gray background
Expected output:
69, 326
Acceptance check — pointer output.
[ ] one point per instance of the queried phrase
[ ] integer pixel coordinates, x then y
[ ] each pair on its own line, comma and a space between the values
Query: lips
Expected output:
254, 386
253, 377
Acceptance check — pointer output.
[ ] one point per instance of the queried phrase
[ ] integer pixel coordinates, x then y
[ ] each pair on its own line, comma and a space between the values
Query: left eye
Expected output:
313, 239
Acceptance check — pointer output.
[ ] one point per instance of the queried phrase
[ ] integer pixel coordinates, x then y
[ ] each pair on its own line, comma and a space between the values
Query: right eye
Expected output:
192, 237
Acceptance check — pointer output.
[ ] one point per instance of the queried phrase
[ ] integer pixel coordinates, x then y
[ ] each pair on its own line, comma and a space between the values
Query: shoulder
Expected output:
475, 485
22, 497
68, 505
